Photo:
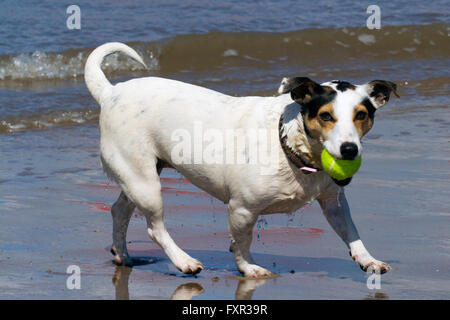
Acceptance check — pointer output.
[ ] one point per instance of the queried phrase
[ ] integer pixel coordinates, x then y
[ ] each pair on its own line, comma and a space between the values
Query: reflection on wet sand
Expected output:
120, 281
377, 296
186, 291
246, 287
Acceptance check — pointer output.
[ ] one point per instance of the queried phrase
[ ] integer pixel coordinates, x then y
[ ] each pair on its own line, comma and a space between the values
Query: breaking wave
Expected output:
217, 49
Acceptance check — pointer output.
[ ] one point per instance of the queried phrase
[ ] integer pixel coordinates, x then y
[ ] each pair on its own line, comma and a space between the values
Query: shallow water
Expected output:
55, 199
236, 49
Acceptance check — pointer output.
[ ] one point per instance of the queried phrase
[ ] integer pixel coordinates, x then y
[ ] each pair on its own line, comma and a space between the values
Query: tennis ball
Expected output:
337, 168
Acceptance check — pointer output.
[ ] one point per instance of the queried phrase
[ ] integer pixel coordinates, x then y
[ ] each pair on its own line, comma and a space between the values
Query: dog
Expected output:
137, 122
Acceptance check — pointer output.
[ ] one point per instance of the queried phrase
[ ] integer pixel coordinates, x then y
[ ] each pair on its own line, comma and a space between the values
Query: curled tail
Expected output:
94, 77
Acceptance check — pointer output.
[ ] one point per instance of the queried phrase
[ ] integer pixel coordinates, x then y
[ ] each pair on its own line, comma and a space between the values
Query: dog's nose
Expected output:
349, 150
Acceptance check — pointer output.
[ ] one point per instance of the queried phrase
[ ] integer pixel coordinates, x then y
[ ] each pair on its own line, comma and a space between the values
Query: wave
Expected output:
63, 65
218, 50
414, 56
48, 120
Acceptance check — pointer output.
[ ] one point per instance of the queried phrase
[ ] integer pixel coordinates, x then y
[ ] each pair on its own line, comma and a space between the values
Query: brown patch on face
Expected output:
363, 123
317, 126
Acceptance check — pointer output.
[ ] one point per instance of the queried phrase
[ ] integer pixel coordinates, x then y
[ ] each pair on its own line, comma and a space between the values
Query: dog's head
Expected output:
338, 114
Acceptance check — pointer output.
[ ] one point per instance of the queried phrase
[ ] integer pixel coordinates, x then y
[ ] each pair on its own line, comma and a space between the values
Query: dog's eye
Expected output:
326, 116
361, 115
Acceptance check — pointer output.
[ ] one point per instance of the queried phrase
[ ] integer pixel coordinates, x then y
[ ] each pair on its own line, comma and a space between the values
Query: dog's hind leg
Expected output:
121, 212
241, 223
146, 193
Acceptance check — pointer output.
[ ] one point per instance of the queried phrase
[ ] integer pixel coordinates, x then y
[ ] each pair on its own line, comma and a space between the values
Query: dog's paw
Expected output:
376, 266
190, 266
254, 271
369, 264
123, 260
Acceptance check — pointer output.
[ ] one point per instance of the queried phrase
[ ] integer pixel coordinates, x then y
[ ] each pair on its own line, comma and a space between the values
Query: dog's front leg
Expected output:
337, 212
240, 223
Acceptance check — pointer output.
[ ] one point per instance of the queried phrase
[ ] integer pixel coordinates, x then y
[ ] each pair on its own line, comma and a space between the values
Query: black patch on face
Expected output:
343, 85
306, 127
313, 106
370, 108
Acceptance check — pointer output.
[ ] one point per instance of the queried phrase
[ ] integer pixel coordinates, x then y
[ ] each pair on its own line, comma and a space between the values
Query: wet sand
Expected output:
55, 204
55, 199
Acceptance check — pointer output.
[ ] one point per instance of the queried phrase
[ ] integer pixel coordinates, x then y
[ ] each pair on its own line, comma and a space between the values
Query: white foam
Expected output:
230, 53
42, 65
367, 38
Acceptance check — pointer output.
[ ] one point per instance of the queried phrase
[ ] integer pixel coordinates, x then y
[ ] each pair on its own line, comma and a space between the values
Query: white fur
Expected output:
137, 120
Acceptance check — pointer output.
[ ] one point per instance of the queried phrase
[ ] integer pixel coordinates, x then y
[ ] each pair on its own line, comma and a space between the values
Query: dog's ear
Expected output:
380, 90
302, 89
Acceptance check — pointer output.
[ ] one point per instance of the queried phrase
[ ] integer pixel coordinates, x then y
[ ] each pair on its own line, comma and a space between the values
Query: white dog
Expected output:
138, 121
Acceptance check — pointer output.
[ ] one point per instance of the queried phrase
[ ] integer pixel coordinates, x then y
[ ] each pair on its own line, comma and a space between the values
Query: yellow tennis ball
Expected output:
337, 168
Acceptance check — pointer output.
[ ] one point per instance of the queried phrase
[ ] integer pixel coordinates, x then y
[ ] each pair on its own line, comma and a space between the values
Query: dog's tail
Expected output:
94, 77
